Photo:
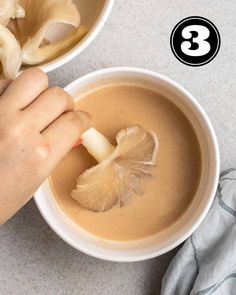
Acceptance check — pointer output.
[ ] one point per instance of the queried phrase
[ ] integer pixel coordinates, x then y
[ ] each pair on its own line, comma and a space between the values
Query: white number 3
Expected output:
203, 46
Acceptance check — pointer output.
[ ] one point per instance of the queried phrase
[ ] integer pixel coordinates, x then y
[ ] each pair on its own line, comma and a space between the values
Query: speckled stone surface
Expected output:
33, 260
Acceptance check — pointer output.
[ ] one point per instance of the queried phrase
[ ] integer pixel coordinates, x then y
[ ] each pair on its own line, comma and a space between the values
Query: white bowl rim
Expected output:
84, 43
216, 156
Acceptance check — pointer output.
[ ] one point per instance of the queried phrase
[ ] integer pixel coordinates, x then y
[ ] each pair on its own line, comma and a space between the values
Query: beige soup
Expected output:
176, 176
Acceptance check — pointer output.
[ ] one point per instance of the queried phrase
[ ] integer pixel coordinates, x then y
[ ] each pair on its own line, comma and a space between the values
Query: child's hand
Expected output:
37, 128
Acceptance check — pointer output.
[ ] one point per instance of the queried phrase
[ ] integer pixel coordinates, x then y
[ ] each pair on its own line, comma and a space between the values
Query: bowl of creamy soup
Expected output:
181, 189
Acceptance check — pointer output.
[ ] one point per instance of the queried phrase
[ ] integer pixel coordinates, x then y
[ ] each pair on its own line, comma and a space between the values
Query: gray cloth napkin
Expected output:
206, 264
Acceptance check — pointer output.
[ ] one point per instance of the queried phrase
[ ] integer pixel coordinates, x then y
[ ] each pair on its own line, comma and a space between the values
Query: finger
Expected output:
25, 88
63, 133
78, 143
3, 85
48, 106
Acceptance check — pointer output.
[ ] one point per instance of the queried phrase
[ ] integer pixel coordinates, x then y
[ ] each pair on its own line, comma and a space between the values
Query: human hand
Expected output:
38, 126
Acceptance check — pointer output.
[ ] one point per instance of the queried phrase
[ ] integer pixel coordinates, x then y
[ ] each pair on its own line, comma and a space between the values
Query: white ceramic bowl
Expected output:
94, 15
155, 245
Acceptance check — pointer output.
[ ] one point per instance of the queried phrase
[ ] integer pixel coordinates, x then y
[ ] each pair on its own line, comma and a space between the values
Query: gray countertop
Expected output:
34, 260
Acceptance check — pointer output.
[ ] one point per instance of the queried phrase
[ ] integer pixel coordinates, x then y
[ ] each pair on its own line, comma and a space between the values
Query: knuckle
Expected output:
73, 118
41, 152
38, 158
12, 135
66, 101
15, 132
57, 91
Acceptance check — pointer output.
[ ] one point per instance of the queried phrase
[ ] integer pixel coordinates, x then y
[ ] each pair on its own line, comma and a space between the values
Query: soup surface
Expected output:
176, 176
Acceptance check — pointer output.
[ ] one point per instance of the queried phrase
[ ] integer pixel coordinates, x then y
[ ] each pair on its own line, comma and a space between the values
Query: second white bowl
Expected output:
94, 15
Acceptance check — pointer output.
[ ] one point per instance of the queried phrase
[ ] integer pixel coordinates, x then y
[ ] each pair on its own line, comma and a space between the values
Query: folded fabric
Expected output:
206, 264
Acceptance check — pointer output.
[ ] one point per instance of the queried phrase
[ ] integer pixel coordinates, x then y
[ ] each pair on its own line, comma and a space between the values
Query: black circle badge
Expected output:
195, 41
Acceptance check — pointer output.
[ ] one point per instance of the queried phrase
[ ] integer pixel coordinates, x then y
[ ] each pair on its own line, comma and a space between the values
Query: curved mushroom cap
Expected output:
40, 16
10, 53
122, 175
10, 9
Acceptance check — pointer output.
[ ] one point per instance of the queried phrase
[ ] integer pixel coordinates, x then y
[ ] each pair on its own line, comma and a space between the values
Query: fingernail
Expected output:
86, 119
78, 143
